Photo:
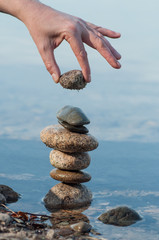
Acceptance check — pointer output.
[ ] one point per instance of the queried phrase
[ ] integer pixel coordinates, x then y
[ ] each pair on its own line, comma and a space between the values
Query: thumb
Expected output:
51, 64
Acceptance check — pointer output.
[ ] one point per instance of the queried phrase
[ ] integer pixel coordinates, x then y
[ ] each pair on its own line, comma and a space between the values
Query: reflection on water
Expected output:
123, 174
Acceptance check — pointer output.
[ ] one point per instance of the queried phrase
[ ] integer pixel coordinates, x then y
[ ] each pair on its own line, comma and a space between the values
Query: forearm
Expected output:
18, 8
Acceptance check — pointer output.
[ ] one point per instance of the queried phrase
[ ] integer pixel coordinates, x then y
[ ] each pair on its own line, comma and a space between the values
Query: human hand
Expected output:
49, 27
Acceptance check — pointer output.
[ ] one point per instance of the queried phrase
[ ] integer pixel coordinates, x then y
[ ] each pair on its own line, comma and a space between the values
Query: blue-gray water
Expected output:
123, 173
121, 104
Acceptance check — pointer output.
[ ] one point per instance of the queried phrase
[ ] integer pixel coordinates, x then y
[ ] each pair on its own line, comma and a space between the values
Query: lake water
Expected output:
121, 104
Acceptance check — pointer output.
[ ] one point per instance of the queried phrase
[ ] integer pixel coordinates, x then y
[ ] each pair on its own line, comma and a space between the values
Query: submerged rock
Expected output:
70, 176
67, 196
81, 227
69, 161
73, 80
121, 216
72, 115
9, 194
59, 138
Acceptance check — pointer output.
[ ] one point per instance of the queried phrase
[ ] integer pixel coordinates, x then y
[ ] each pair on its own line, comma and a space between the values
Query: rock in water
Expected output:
81, 227
67, 196
69, 161
73, 80
9, 194
72, 115
121, 216
70, 176
59, 138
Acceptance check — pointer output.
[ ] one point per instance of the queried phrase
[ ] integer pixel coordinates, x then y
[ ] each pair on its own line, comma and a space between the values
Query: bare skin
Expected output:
49, 27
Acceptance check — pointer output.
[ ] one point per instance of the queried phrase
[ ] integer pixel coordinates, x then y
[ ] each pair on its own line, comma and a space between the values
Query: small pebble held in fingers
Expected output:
73, 80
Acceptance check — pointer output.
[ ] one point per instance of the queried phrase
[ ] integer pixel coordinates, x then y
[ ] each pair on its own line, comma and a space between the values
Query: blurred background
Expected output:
121, 104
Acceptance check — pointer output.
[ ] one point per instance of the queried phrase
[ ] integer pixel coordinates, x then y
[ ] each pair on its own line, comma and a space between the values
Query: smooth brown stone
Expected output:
69, 161
59, 138
67, 196
70, 176
72, 80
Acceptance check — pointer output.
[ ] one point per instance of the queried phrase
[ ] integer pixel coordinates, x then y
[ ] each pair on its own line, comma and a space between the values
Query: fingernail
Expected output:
89, 78
119, 65
55, 78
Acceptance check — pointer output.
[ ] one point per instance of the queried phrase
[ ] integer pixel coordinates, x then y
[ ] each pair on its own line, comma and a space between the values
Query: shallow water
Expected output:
123, 174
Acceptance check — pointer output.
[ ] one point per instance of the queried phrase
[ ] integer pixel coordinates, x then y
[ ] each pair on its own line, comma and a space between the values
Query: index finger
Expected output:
81, 55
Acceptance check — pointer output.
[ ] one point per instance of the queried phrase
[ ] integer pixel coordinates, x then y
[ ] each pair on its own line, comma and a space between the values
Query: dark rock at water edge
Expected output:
9, 194
73, 80
121, 216
72, 115
67, 196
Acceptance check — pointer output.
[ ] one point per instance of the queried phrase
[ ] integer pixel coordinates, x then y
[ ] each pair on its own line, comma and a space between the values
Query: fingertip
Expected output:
55, 77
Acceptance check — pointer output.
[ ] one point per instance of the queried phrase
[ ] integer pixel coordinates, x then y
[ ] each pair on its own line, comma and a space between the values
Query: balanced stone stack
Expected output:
71, 142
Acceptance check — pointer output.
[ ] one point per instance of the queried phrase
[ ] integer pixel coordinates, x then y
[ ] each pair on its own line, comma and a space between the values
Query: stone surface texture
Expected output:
72, 115
78, 129
69, 161
67, 196
9, 194
70, 176
81, 227
2, 199
120, 216
59, 138
73, 80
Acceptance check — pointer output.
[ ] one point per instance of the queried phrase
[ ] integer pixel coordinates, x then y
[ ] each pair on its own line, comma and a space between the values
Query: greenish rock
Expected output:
78, 129
121, 216
72, 115
73, 80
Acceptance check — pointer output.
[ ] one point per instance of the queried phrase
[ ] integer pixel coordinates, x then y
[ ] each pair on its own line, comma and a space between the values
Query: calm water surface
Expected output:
122, 105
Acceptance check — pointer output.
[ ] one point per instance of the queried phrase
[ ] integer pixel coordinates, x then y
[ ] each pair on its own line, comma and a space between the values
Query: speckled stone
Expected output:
70, 176
120, 216
67, 196
72, 115
69, 161
73, 80
59, 138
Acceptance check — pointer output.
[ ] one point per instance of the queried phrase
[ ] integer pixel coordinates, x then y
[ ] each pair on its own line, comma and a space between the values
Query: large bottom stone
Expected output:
67, 196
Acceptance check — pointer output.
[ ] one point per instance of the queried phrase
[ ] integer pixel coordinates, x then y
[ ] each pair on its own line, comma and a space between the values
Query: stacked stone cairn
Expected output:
71, 142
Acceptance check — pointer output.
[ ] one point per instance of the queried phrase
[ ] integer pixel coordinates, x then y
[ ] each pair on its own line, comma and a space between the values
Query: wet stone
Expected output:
69, 161
67, 196
70, 176
72, 115
121, 216
78, 129
72, 80
9, 194
59, 138
81, 227
2, 199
